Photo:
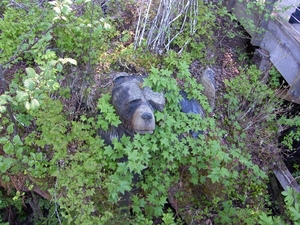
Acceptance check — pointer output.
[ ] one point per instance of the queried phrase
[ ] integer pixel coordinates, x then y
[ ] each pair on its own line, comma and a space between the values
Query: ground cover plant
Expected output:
55, 71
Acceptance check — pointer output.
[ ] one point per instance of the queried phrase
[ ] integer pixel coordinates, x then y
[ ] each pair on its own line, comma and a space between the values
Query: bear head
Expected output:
135, 104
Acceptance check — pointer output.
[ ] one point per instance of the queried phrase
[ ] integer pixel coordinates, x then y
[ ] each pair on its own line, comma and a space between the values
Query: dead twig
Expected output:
162, 31
8, 106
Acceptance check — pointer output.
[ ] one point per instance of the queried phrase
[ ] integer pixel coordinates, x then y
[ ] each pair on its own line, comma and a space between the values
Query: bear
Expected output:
135, 105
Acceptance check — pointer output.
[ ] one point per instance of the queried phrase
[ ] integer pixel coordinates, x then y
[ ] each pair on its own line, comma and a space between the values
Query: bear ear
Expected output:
120, 76
157, 100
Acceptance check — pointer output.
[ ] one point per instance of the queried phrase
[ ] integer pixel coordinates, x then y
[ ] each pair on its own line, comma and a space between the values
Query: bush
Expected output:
57, 164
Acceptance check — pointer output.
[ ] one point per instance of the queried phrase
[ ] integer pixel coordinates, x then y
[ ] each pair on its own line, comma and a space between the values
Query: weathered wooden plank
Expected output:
284, 177
282, 42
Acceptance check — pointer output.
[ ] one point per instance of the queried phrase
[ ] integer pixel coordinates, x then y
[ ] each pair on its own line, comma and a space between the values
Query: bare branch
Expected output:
8, 107
161, 31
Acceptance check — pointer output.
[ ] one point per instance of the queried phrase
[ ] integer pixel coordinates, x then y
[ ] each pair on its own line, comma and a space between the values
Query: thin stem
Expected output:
9, 110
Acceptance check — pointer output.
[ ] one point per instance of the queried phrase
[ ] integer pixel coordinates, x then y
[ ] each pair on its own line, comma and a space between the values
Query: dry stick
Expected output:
184, 10
146, 19
56, 206
13, 3
159, 40
150, 39
157, 28
90, 36
141, 26
181, 12
159, 35
82, 88
11, 116
137, 30
195, 11
165, 25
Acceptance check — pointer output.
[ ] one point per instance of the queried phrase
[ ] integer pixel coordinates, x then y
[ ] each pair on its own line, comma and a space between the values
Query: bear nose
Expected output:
146, 116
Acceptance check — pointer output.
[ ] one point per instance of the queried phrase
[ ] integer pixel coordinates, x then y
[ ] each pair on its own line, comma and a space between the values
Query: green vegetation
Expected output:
56, 60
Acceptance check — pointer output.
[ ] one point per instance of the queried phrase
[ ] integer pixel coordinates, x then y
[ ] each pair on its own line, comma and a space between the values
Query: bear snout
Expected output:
143, 120
147, 116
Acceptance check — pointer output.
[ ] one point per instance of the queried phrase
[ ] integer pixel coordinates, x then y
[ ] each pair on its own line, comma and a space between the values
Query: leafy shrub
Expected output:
84, 177
251, 107
30, 37
291, 200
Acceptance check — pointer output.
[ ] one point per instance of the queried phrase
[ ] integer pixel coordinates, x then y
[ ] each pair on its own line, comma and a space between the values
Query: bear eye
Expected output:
134, 102
153, 105
132, 106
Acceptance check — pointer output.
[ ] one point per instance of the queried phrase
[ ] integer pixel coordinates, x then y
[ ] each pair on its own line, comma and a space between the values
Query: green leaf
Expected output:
17, 140
34, 104
90, 165
59, 67
25, 159
107, 26
19, 153
5, 164
21, 96
265, 219
2, 109
29, 84
124, 185
3, 140
8, 148
66, 9
30, 72
3, 99
10, 128
224, 172
55, 86
214, 177
294, 213
27, 105
108, 150
165, 154
68, 60
57, 10
126, 140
